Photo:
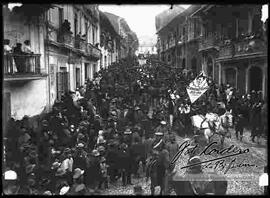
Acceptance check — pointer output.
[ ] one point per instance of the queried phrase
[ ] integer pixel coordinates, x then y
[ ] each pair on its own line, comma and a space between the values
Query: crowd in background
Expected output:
104, 131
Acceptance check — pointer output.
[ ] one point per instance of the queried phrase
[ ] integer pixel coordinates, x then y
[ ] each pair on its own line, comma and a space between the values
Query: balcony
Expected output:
92, 51
249, 47
80, 44
210, 42
243, 48
67, 39
226, 51
22, 67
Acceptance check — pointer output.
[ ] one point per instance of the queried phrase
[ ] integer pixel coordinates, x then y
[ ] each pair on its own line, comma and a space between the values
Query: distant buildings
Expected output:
228, 42
117, 40
147, 45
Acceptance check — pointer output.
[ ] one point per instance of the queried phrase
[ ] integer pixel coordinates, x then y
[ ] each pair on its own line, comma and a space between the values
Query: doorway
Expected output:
78, 79
255, 78
231, 76
194, 66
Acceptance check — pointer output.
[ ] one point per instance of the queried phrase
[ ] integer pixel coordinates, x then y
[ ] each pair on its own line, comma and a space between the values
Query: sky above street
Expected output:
140, 18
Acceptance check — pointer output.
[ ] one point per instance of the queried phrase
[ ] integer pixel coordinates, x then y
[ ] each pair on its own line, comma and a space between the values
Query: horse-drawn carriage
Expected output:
212, 124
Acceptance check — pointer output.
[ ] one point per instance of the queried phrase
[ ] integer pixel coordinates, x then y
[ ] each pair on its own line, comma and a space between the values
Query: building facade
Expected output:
109, 41
25, 79
177, 43
118, 40
72, 46
234, 48
230, 50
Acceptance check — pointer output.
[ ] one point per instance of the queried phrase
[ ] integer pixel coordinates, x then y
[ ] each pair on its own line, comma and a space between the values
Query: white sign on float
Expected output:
197, 87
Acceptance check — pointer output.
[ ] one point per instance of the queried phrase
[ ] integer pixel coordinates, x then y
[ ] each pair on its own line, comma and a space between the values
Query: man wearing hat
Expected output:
163, 128
104, 173
10, 183
128, 136
200, 187
92, 175
161, 156
80, 157
67, 164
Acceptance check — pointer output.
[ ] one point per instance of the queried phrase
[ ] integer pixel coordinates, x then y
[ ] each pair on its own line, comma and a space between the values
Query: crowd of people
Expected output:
106, 130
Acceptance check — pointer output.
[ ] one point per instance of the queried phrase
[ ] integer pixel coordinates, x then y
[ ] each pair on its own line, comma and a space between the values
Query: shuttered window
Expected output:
62, 83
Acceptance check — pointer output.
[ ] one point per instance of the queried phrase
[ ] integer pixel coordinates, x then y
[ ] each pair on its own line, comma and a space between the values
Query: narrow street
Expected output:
104, 99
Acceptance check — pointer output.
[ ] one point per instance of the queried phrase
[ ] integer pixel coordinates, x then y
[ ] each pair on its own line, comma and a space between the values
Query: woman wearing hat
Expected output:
92, 174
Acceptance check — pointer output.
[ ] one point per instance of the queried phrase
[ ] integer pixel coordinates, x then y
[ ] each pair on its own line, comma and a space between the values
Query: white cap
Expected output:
10, 175
263, 180
163, 122
100, 132
47, 192
64, 190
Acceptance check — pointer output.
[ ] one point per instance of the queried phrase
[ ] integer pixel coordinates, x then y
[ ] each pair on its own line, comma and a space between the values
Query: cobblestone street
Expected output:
236, 185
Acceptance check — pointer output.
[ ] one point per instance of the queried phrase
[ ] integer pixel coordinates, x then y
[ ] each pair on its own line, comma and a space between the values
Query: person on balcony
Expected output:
19, 60
7, 59
28, 61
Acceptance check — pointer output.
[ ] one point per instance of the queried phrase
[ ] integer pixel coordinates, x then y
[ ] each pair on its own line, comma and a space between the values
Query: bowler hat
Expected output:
101, 148
95, 153
67, 150
60, 172
64, 190
77, 173
10, 175
47, 192
195, 160
102, 159
159, 133
163, 122
127, 131
80, 145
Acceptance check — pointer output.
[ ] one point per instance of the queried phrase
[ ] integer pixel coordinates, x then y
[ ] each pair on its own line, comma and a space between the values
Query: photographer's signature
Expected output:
217, 163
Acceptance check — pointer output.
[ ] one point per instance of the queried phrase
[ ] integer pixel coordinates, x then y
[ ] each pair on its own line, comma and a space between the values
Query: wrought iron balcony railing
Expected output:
80, 44
250, 46
208, 42
66, 39
242, 48
15, 64
92, 51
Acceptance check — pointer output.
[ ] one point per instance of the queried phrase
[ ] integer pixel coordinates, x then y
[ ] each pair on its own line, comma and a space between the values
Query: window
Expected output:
210, 67
94, 69
86, 73
184, 63
94, 35
78, 77
76, 24
85, 30
194, 66
61, 15
62, 82
169, 58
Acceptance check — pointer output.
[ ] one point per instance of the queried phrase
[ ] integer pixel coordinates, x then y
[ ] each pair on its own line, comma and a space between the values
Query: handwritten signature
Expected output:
216, 163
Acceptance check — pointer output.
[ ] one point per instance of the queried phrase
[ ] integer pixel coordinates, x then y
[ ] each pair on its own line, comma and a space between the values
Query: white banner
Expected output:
197, 87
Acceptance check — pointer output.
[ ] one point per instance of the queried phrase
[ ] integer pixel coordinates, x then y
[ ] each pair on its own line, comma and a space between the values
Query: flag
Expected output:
197, 87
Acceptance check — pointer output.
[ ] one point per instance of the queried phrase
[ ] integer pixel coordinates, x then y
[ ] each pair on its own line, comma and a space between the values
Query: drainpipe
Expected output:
46, 56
